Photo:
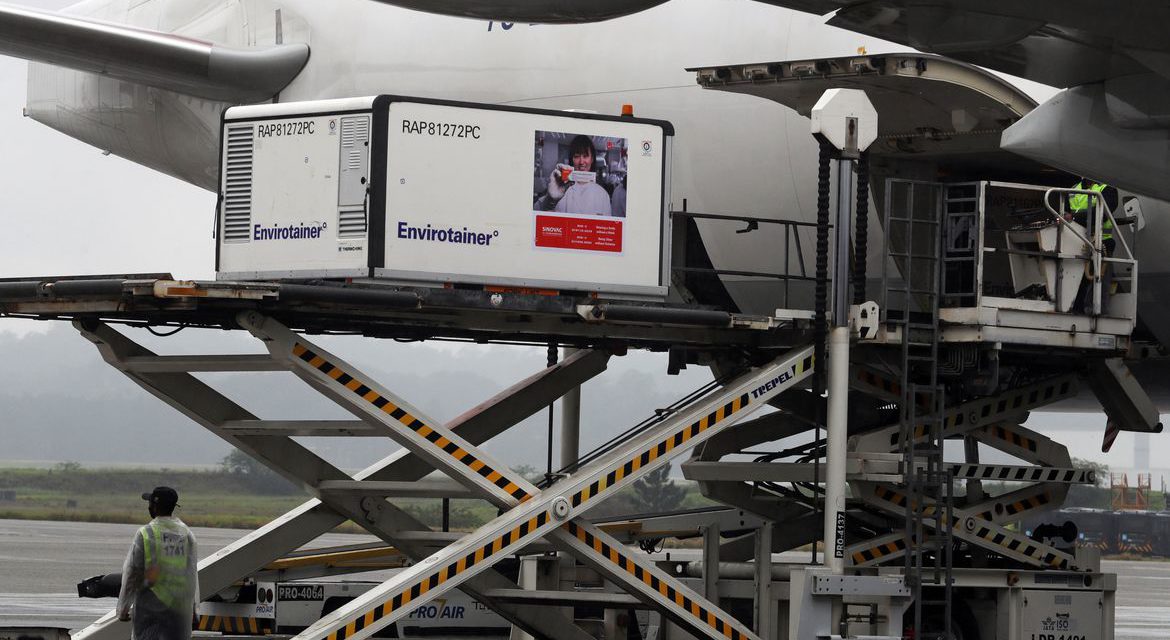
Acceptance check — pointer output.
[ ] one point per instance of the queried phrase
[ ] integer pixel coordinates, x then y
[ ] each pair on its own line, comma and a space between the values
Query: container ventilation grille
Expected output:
354, 134
351, 222
237, 184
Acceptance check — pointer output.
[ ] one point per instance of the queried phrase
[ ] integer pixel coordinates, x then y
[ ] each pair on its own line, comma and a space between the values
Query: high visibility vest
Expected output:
1079, 202
165, 553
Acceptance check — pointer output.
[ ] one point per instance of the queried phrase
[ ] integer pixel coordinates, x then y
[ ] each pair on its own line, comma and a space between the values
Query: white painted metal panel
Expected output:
462, 192
1062, 615
294, 226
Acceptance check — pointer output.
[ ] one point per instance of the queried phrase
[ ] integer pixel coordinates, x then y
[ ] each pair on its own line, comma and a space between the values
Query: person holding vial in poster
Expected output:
573, 188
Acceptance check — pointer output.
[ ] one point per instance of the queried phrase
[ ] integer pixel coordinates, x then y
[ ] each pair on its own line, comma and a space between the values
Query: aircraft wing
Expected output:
1114, 59
153, 58
1056, 43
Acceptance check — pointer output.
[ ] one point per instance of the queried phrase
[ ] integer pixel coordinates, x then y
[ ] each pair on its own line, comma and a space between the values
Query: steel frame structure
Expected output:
528, 514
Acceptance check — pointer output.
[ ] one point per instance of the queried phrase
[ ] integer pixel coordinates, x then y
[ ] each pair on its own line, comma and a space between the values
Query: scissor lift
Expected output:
697, 598
529, 515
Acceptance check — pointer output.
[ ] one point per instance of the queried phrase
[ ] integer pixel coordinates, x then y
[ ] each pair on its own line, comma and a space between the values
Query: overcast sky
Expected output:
68, 209
71, 210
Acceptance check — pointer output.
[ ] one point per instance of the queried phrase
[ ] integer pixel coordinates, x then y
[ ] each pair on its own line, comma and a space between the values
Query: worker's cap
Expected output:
163, 497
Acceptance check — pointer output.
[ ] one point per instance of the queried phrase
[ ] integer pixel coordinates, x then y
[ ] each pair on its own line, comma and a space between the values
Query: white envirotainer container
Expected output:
435, 193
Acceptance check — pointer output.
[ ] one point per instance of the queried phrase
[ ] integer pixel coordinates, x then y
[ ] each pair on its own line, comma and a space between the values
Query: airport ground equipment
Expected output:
1122, 499
844, 121
784, 519
959, 355
530, 515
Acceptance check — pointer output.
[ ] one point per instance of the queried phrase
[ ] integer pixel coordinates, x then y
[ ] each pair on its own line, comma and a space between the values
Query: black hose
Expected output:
861, 230
553, 352
820, 322
821, 303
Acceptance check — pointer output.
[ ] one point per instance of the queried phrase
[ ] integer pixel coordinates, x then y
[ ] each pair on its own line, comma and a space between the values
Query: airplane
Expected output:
147, 81
361, 47
162, 81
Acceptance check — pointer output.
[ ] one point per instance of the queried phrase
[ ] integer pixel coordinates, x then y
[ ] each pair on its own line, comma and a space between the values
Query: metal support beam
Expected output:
972, 525
764, 609
211, 409
315, 428
479, 424
583, 539
711, 562
192, 364
856, 467
570, 421
532, 514
968, 416
837, 422
392, 489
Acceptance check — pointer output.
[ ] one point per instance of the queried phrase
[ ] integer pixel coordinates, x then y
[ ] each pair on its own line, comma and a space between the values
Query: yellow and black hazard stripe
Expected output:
678, 439
361, 390
653, 452
898, 499
1027, 504
712, 618
1020, 474
1136, 548
878, 551
436, 578
1040, 554
889, 495
887, 386
1008, 509
235, 624
528, 527
981, 411
1010, 436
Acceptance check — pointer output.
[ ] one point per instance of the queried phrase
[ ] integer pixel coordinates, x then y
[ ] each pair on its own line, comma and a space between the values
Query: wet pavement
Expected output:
41, 563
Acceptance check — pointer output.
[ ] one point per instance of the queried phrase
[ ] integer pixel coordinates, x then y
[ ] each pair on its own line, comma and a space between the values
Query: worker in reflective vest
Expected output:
160, 585
1078, 205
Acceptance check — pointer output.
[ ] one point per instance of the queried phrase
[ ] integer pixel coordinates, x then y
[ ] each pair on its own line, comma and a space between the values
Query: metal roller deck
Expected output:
374, 310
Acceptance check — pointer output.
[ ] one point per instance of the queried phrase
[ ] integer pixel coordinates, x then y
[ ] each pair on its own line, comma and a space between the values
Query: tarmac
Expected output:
42, 562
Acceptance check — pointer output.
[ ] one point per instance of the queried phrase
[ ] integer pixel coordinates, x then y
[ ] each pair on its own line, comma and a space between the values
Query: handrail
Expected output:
1059, 217
734, 218
791, 240
1096, 246
1108, 261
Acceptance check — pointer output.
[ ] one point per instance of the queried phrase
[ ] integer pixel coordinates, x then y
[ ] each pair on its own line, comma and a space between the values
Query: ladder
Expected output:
528, 515
916, 223
962, 244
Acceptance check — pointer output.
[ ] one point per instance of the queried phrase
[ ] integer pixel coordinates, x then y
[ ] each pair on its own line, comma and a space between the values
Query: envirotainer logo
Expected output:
449, 235
288, 232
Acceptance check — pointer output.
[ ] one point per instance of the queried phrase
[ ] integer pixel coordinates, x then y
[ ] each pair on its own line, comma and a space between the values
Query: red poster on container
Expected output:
588, 234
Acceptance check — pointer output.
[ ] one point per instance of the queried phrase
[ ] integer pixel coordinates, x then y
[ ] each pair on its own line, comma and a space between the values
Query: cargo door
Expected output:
939, 120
